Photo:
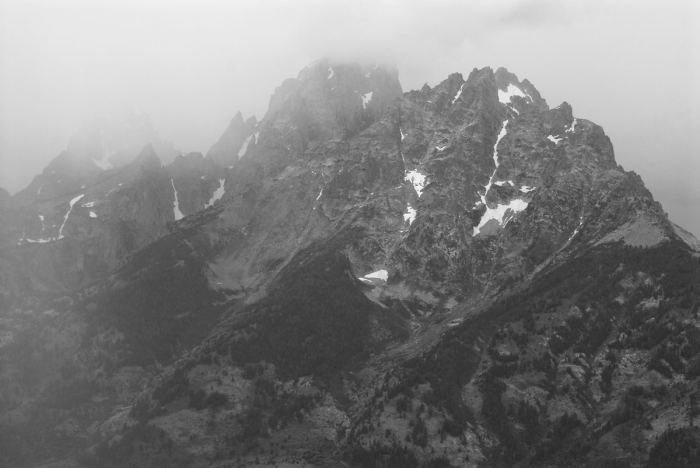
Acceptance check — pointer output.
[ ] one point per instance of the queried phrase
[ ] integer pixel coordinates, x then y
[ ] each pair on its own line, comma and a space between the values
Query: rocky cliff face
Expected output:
238, 138
429, 277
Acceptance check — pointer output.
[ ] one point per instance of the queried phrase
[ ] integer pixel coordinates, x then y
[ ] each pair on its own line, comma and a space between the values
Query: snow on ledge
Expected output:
218, 193
379, 274
554, 139
410, 216
505, 96
366, 98
499, 213
527, 188
103, 164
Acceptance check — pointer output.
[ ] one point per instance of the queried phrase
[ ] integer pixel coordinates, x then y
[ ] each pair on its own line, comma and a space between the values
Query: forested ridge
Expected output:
613, 297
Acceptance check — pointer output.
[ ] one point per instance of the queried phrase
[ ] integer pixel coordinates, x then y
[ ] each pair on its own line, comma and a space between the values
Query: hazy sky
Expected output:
631, 66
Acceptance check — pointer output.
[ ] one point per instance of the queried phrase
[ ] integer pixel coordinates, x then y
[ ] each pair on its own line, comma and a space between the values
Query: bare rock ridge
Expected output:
238, 138
453, 276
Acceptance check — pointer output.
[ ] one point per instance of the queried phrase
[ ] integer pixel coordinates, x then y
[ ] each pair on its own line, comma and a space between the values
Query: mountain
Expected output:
451, 276
111, 139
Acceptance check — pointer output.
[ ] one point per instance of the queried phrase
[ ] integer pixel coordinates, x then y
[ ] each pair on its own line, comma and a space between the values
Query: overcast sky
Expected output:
631, 66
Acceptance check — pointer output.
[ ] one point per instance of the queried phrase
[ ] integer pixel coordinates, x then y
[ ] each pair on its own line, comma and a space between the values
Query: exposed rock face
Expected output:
550, 187
238, 138
199, 182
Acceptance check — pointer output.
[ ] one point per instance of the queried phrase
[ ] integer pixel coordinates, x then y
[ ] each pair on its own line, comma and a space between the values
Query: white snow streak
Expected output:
573, 127
526, 189
176, 204
500, 183
37, 241
500, 211
554, 139
330, 73
39, 192
418, 181
459, 93
366, 98
319, 194
72, 202
577, 229
440, 148
402, 137
244, 148
218, 193
93, 215
257, 134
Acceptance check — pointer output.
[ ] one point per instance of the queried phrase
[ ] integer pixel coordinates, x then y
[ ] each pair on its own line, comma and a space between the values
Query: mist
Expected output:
630, 66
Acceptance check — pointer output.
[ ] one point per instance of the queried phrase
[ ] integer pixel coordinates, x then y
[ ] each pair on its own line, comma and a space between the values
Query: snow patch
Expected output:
319, 194
500, 183
218, 193
402, 136
500, 212
418, 181
440, 148
366, 98
93, 215
459, 93
512, 90
554, 139
244, 148
176, 204
572, 128
526, 189
65, 219
511, 183
330, 73
257, 134
203, 177
380, 274
103, 164
410, 215
39, 192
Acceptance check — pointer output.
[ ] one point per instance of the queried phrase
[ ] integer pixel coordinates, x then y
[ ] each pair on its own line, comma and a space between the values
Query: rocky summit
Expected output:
451, 276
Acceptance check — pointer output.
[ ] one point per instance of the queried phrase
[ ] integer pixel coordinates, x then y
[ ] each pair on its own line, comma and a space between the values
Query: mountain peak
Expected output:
148, 158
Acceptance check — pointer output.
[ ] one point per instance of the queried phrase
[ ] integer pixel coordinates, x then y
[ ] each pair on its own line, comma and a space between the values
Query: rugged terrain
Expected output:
451, 276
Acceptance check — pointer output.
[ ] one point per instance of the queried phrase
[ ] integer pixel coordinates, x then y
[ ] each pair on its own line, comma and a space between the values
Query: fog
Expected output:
631, 66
